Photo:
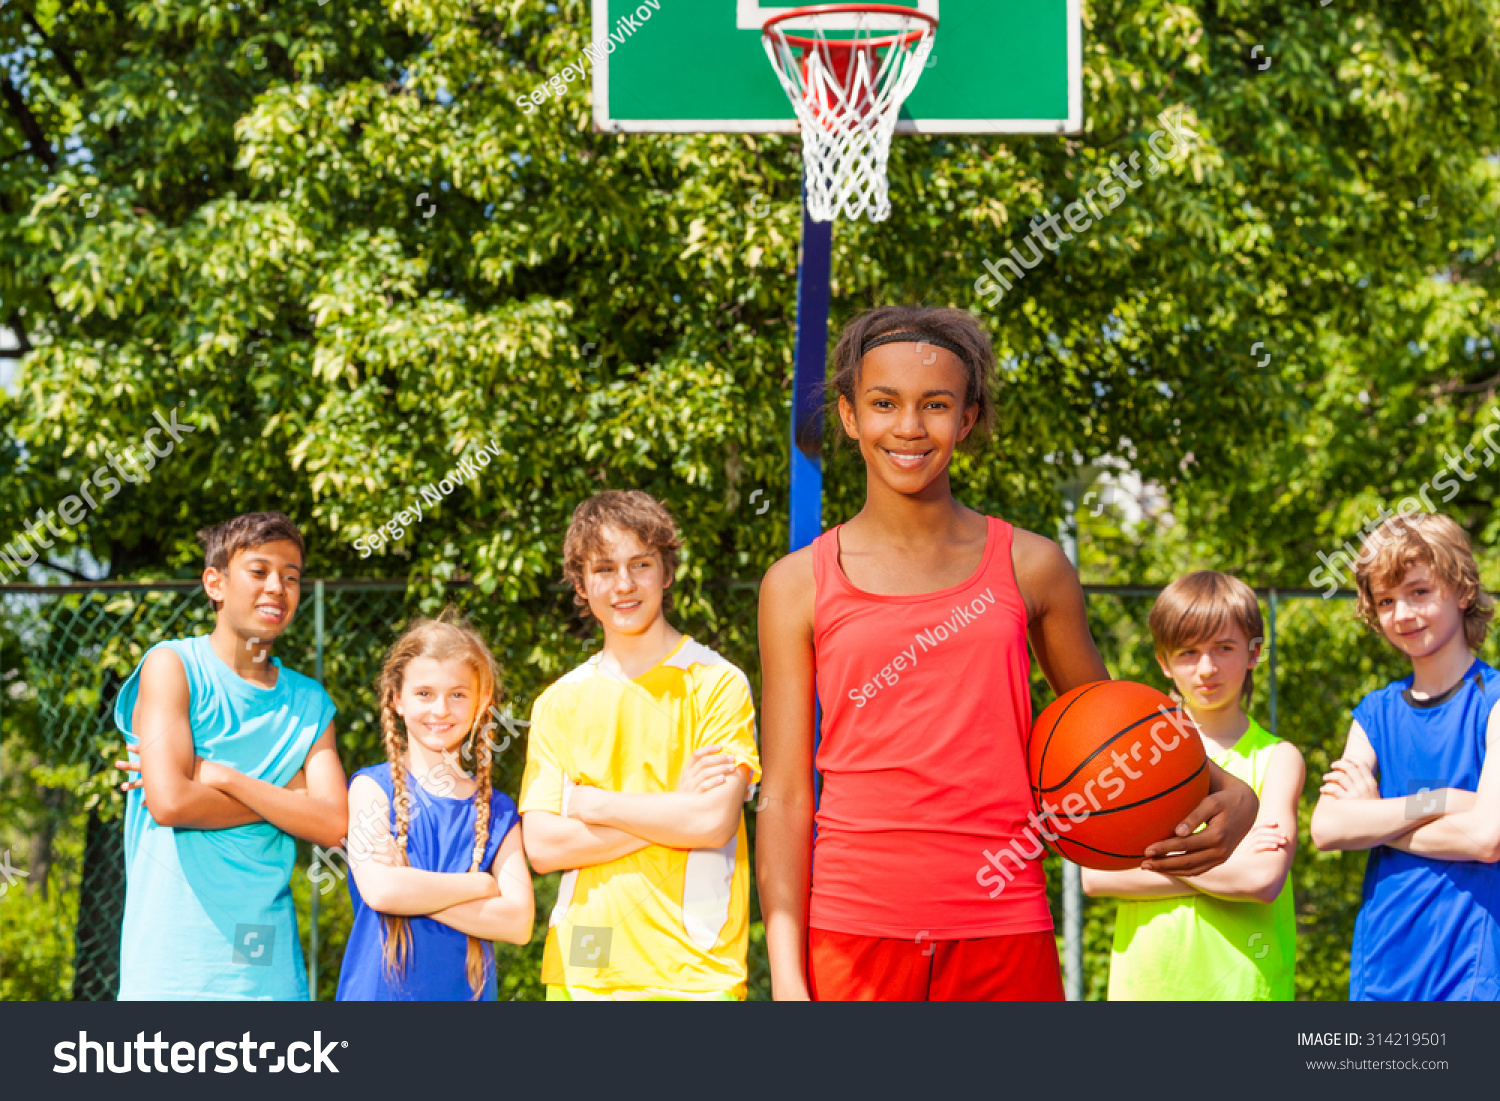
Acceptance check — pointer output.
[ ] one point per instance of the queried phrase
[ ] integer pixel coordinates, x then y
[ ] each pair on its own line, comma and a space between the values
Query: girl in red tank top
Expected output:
926, 710
908, 626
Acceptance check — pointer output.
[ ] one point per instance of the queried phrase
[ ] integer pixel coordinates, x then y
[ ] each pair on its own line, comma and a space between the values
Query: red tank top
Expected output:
926, 713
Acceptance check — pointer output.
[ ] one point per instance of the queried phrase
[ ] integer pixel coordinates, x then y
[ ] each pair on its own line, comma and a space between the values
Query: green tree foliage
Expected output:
40, 852
325, 234
331, 234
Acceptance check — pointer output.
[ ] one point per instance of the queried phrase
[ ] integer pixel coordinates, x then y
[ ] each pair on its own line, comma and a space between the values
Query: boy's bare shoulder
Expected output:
1285, 752
163, 668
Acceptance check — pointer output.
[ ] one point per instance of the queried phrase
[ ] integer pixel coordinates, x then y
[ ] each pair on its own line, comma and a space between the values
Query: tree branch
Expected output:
28, 123
1454, 386
15, 325
70, 572
64, 61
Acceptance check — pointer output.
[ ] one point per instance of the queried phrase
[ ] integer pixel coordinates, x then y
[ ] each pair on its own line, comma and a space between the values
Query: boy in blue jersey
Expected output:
1417, 784
236, 757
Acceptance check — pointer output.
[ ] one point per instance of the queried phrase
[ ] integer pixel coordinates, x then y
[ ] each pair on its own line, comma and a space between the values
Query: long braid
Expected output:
440, 639
484, 752
396, 932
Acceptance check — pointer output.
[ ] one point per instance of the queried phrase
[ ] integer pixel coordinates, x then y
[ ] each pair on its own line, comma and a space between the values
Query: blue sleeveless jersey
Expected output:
439, 838
1428, 930
209, 913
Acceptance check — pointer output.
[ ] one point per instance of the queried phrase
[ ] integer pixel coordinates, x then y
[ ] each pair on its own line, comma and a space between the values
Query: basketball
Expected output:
1114, 766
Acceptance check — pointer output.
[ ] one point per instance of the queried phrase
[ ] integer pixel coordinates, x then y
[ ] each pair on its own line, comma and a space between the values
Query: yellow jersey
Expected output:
659, 917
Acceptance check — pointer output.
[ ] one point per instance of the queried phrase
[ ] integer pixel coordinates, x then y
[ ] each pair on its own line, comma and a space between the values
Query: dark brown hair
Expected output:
222, 542
957, 327
627, 510
1195, 608
1430, 539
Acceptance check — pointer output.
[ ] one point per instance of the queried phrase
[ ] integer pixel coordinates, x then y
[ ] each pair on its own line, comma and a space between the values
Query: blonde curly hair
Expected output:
1429, 539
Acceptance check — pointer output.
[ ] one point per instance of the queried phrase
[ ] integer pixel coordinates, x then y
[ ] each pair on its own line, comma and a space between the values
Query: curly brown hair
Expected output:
625, 510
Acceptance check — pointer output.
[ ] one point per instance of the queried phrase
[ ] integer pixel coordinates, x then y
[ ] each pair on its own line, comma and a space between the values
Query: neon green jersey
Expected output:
1200, 948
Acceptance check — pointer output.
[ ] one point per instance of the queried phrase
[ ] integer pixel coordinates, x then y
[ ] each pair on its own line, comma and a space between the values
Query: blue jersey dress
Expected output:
1428, 930
440, 838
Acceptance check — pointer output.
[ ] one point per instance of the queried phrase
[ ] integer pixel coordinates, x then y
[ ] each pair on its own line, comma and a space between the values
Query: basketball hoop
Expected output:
847, 92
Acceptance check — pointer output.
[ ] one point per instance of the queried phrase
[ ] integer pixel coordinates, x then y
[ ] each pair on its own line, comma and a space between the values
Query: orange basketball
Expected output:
1114, 766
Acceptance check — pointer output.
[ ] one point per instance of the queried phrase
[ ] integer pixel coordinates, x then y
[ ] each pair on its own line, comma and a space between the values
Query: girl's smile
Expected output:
907, 460
439, 700
908, 412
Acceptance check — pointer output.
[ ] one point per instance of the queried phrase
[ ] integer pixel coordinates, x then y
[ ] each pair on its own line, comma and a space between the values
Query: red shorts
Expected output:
843, 967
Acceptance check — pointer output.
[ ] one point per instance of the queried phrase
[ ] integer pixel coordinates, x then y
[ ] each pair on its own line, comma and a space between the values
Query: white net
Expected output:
847, 92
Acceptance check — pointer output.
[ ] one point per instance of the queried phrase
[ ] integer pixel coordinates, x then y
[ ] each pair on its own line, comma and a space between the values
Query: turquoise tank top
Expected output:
208, 913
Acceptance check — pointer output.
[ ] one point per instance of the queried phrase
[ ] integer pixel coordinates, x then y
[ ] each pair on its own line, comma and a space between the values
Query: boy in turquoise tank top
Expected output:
1229, 934
1417, 784
236, 757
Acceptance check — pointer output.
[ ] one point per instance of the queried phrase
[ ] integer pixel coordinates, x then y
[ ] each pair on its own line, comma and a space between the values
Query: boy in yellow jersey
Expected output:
636, 775
1229, 934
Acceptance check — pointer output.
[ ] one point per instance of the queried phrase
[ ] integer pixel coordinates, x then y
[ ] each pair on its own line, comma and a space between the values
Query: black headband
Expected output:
907, 337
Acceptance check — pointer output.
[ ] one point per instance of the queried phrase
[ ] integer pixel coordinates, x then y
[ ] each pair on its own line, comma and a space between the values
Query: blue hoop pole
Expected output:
809, 365
318, 646
814, 269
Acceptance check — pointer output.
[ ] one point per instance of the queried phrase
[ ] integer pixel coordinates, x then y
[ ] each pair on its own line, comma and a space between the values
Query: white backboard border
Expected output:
752, 16
751, 10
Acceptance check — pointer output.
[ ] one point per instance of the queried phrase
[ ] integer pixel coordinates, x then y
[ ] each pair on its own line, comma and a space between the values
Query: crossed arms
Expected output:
597, 826
1254, 872
493, 905
186, 792
1059, 635
1442, 824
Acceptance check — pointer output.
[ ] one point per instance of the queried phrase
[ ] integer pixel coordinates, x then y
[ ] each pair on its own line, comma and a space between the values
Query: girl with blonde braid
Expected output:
435, 853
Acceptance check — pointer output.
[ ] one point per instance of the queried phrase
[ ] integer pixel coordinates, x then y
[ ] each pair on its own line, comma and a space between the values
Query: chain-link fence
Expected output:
66, 650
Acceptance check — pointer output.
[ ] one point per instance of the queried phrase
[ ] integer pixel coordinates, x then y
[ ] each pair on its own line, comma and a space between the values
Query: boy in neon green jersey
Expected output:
1229, 934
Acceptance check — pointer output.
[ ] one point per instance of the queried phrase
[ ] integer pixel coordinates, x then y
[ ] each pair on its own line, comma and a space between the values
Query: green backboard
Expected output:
698, 66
